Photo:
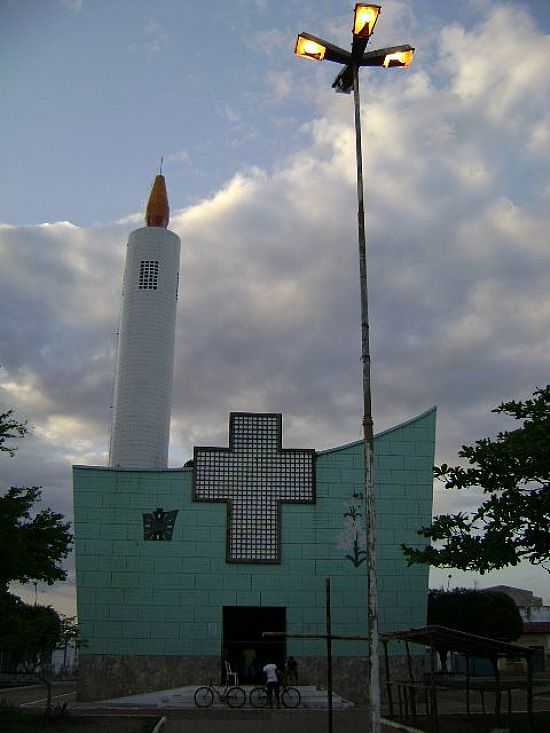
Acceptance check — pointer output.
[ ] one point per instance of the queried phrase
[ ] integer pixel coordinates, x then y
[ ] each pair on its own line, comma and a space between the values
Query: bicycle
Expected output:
290, 697
234, 695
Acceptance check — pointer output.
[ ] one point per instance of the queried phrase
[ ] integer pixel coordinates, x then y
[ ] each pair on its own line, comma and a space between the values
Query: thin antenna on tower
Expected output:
161, 162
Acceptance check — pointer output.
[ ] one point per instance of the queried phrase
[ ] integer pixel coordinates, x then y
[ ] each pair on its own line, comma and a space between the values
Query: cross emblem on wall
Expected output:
254, 476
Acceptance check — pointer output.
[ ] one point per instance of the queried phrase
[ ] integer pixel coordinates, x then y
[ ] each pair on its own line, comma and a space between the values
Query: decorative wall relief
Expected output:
159, 525
353, 538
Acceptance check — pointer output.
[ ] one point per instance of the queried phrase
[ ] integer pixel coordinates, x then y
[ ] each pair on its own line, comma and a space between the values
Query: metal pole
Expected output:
368, 436
435, 711
468, 711
411, 677
388, 679
329, 655
497, 692
530, 715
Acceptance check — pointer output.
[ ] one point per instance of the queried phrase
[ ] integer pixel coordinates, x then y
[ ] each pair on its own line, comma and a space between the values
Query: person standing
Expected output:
272, 683
292, 670
249, 659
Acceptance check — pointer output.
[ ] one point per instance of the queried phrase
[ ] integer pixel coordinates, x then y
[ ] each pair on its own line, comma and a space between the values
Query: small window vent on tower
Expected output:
148, 275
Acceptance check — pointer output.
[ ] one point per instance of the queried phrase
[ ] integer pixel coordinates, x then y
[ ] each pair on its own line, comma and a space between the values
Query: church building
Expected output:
181, 568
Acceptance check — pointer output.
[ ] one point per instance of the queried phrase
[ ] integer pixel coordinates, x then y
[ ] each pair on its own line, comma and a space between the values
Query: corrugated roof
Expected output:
459, 641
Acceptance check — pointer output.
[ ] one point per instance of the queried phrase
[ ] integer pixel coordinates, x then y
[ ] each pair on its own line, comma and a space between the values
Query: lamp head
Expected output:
399, 58
364, 19
308, 49
317, 49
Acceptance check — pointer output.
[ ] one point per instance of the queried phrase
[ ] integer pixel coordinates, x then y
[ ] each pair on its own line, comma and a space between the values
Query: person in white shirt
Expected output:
272, 683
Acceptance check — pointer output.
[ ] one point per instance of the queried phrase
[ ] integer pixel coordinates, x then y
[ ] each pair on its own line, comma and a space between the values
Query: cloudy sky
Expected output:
259, 161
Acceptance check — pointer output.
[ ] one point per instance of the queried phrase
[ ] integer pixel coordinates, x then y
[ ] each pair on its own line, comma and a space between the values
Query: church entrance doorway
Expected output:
243, 645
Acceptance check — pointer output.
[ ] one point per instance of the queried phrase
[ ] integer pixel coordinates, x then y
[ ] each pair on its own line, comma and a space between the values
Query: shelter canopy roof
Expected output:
470, 645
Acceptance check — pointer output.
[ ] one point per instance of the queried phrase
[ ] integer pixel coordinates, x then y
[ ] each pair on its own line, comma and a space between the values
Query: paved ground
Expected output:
186, 718
182, 698
178, 706
295, 721
35, 695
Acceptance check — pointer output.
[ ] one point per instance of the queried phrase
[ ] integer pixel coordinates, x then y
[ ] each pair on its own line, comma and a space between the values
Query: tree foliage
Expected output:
482, 612
33, 543
69, 635
69, 630
11, 429
31, 547
513, 521
28, 634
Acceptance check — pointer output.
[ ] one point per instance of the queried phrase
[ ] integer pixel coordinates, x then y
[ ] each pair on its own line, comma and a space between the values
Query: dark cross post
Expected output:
329, 637
254, 476
329, 656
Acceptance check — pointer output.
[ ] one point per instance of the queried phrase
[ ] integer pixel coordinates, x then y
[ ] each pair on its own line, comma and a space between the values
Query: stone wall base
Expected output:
349, 674
104, 676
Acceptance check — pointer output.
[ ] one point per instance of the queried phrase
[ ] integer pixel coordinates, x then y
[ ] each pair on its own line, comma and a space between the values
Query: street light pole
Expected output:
314, 48
368, 427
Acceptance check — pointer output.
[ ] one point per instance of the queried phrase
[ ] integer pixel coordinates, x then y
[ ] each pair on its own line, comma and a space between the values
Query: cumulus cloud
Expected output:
155, 36
270, 41
269, 308
180, 156
75, 6
499, 73
279, 85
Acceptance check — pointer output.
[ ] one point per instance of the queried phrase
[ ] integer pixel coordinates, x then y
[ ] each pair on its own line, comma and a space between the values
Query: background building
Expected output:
536, 622
178, 569
158, 613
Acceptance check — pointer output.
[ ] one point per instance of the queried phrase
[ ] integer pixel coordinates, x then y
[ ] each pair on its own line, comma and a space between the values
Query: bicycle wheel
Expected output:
290, 697
258, 697
204, 697
236, 697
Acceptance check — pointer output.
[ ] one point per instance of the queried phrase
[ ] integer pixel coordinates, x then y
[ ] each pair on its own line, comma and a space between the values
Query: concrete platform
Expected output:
182, 698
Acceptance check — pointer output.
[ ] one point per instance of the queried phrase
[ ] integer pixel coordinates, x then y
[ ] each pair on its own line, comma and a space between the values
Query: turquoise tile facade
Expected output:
139, 597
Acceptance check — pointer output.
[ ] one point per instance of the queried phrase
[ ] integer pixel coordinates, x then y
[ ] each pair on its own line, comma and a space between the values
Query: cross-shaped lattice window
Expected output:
255, 475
